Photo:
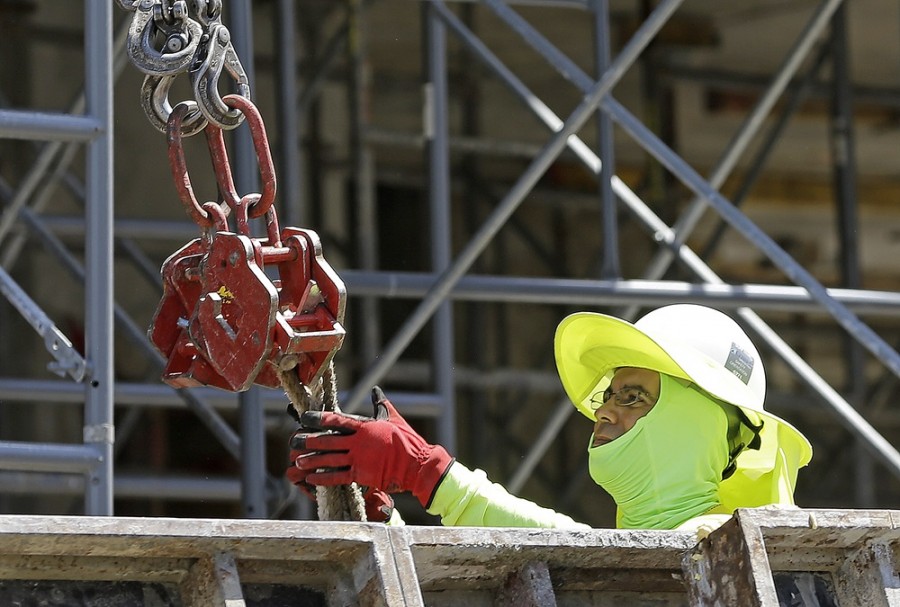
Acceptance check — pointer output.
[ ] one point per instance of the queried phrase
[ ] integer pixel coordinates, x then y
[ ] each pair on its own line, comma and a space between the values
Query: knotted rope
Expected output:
342, 502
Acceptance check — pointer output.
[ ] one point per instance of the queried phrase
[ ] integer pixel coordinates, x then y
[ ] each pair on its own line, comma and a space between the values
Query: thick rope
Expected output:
343, 502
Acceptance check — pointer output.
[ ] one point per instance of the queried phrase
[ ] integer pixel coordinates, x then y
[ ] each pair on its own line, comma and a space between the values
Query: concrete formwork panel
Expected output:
762, 557
474, 567
816, 558
230, 562
208, 562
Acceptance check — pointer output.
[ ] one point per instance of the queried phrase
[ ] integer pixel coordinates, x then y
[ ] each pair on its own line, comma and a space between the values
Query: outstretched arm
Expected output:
385, 452
468, 498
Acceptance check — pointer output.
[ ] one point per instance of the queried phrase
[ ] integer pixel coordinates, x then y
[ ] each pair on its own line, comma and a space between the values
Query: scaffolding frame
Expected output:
94, 458
448, 280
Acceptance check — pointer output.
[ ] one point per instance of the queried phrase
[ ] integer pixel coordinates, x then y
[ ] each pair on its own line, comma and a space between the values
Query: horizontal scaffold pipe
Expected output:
415, 404
49, 457
127, 486
45, 126
518, 289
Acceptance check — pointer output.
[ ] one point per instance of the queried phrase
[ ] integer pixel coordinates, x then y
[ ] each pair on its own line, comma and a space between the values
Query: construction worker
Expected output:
680, 437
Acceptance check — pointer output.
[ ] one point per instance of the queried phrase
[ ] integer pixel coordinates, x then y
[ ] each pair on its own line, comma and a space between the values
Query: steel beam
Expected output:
843, 152
290, 185
127, 486
130, 394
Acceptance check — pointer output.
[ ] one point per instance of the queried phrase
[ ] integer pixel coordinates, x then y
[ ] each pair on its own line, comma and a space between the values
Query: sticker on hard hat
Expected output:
740, 362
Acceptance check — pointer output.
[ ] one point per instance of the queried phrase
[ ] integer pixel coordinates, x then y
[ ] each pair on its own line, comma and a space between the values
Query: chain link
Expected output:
168, 38
248, 206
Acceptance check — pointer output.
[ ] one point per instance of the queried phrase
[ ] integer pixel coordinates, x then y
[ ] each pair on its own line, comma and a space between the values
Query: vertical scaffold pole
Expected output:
252, 423
437, 139
99, 314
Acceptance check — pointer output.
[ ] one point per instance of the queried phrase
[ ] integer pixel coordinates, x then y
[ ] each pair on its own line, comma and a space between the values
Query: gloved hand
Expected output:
384, 451
379, 505
298, 475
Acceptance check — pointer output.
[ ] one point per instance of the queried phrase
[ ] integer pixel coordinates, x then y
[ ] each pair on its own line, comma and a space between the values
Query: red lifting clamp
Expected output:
222, 321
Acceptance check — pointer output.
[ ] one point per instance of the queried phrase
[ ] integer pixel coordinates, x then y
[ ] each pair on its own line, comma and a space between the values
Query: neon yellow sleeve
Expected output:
467, 498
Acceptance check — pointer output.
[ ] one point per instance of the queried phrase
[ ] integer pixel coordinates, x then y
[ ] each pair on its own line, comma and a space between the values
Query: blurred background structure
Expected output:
448, 154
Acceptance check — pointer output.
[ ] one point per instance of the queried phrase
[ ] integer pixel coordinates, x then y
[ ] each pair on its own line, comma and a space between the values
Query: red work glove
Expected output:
384, 452
379, 505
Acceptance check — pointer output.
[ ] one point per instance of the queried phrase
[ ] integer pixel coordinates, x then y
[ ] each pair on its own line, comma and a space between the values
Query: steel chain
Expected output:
248, 206
168, 38
223, 321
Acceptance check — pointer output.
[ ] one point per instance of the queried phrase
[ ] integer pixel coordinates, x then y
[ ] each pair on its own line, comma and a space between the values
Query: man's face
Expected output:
632, 393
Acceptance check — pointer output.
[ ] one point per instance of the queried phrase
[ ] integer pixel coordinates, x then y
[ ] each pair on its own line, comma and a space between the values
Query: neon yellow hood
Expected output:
666, 469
